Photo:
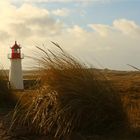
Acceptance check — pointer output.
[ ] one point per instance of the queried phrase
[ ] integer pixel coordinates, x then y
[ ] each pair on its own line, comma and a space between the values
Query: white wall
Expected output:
15, 74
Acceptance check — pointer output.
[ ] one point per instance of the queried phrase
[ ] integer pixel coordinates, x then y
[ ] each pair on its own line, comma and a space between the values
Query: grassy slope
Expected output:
128, 84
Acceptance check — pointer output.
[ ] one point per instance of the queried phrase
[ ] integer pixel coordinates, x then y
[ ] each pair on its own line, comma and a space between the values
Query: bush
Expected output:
72, 98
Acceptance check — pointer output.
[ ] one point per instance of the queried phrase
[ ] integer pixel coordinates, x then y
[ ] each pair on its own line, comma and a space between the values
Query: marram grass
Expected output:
7, 98
71, 98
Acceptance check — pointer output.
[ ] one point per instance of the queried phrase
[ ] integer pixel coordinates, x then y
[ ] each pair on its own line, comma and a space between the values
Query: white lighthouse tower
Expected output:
15, 72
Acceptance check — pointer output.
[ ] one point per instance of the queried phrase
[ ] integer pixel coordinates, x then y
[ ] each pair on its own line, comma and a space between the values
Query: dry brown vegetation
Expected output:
7, 98
71, 99
73, 102
128, 85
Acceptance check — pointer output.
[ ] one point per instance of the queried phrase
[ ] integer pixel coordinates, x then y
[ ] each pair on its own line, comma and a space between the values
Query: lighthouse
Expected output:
15, 72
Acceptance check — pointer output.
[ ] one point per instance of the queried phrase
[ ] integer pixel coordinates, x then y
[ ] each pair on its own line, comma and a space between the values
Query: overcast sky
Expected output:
103, 33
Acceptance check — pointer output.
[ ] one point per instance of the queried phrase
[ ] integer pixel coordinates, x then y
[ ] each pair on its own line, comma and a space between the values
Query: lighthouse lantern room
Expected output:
15, 72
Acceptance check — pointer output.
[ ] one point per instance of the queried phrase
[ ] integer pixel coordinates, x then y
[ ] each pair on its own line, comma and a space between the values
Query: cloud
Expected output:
59, 0
112, 45
29, 11
82, 2
103, 30
124, 26
4, 35
27, 20
61, 12
26, 23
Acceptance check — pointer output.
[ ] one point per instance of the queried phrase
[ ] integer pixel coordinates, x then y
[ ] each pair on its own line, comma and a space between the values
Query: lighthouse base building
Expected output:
15, 72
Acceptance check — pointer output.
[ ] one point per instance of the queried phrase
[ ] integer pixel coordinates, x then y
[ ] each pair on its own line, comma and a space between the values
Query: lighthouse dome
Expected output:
15, 46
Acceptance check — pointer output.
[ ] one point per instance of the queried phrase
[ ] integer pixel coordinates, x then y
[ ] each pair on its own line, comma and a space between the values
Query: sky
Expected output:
101, 33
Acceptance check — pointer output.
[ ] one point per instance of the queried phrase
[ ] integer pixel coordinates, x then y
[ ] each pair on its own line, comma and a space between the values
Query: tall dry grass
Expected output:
7, 98
71, 98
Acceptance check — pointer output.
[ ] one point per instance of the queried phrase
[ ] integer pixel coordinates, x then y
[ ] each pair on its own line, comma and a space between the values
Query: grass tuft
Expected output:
71, 98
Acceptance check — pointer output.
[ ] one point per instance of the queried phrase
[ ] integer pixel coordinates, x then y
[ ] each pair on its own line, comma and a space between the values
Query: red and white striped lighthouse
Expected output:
15, 72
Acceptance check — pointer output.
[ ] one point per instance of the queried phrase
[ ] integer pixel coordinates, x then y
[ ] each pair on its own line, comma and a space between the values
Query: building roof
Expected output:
15, 46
